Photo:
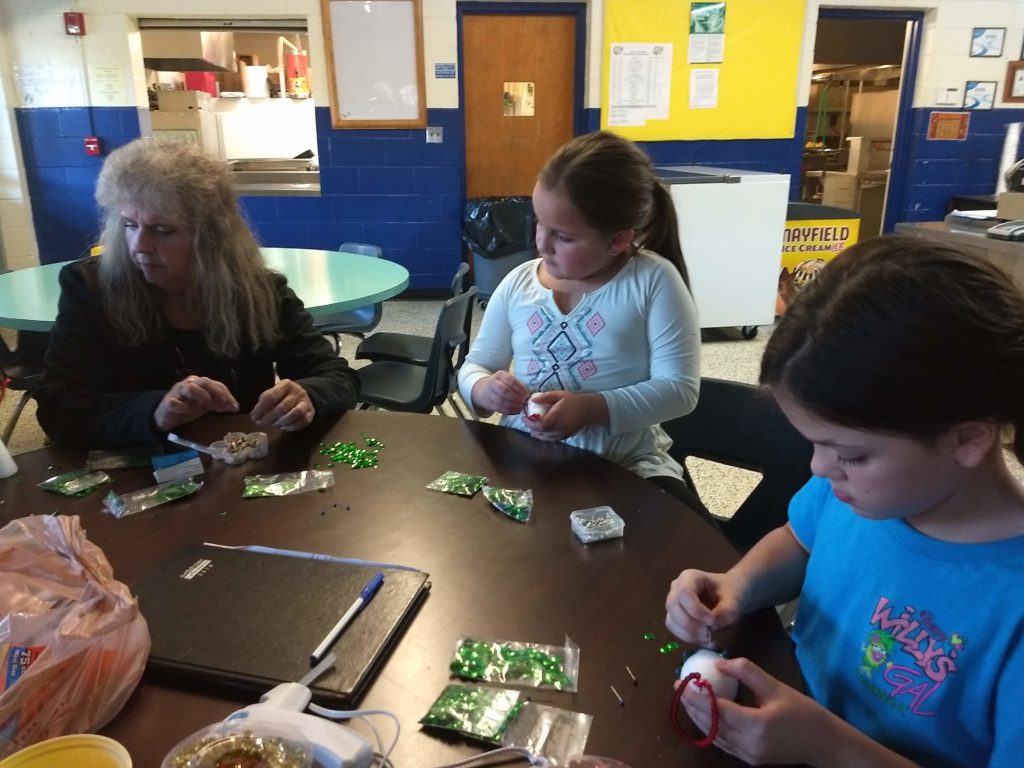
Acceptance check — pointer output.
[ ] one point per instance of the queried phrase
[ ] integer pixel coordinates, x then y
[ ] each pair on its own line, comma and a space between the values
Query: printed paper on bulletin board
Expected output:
757, 79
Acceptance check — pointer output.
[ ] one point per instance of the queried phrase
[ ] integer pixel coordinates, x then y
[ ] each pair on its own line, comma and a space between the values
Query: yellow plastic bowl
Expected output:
79, 750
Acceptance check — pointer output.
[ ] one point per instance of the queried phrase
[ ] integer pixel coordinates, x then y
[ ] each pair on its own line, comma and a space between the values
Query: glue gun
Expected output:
334, 745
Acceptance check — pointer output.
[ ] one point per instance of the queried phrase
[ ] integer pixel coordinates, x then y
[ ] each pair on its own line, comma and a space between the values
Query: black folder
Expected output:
250, 620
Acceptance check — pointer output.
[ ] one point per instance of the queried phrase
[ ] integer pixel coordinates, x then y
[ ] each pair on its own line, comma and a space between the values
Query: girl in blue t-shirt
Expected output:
903, 363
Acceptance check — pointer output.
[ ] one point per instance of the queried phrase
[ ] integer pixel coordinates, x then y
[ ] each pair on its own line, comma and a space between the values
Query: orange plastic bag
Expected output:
72, 641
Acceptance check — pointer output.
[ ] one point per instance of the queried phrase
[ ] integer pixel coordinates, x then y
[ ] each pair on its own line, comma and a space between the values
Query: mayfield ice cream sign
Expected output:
807, 245
816, 239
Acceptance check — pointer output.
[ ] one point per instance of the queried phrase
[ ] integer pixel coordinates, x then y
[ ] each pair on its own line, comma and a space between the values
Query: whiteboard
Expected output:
375, 53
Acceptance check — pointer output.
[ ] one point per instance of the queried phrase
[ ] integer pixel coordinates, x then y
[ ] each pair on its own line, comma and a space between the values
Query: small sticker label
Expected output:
198, 568
444, 71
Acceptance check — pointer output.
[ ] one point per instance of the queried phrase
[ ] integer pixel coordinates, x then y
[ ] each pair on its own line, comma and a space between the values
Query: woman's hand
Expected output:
191, 398
286, 405
784, 726
568, 413
699, 603
501, 392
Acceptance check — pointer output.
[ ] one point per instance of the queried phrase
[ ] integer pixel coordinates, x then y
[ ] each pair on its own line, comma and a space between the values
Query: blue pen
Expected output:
364, 597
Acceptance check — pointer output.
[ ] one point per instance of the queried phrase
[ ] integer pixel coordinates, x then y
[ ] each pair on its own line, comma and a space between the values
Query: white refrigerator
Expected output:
731, 225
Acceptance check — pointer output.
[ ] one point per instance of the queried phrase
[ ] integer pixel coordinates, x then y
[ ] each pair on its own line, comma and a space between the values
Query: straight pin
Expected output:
631, 675
622, 702
710, 641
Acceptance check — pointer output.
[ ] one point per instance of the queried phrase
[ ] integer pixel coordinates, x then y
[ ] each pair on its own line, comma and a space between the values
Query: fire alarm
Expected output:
92, 145
74, 23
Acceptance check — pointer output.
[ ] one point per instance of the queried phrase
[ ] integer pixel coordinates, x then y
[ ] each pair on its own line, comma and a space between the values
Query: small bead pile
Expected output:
351, 454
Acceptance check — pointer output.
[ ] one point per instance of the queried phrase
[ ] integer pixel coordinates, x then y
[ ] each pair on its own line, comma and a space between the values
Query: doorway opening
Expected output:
861, 83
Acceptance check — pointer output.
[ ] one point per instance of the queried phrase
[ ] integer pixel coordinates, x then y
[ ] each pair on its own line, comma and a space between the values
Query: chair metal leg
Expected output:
455, 407
9, 429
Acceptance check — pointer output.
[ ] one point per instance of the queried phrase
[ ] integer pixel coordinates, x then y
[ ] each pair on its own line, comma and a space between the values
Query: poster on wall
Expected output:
707, 33
640, 77
980, 94
703, 89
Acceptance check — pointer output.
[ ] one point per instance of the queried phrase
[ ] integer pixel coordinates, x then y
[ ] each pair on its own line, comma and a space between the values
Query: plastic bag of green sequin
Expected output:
516, 663
474, 711
458, 483
285, 483
513, 502
78, 482
122, 505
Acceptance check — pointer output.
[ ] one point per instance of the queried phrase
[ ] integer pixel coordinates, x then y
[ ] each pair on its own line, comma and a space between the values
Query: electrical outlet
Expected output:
435, 134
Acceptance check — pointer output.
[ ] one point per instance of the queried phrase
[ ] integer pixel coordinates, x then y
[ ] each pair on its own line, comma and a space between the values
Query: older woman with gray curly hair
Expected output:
179, 316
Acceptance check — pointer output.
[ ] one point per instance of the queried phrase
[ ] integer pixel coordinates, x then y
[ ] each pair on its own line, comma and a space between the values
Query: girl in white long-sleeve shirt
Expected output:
603, 323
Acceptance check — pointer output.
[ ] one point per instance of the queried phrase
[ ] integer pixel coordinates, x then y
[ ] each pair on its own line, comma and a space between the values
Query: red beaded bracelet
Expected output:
700, 682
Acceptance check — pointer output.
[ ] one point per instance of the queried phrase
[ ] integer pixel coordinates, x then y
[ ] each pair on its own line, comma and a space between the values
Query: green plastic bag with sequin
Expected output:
515, 663
474, 711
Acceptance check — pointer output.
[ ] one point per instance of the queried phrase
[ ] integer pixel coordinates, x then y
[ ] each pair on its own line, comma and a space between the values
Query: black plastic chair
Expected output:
398, 386
356, 322
739, 425
23, 366
408, 347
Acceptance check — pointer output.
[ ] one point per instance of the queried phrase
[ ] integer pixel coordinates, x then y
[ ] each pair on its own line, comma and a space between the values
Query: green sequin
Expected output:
510, 663
484, 713
649, 635
669, 647
350, 453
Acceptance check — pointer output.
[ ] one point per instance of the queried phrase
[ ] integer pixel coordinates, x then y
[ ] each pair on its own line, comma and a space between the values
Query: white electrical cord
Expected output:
348, 714
504, 753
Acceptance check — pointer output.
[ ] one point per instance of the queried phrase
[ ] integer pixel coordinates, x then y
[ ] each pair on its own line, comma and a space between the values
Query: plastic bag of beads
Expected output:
122, 505
138, 457
458, 483
549, 731
514, 502
474, 711
285, 483
515, 663
78, 482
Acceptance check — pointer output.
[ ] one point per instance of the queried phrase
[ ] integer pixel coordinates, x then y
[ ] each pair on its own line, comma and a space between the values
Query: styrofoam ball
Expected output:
535, 411
703, 663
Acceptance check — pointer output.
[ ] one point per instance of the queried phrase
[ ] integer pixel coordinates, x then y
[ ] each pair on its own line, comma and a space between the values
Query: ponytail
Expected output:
661, 233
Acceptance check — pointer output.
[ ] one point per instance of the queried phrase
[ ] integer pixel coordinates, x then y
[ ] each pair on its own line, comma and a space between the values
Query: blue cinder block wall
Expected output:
391, 187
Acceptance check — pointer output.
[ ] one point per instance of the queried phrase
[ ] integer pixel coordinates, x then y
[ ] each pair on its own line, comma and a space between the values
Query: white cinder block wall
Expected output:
39, 66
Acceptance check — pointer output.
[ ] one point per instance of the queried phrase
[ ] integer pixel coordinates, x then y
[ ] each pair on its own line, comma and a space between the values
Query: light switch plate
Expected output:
949, 95
435, 134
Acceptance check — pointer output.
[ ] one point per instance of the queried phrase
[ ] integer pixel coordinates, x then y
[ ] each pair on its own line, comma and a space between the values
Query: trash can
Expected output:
501, 233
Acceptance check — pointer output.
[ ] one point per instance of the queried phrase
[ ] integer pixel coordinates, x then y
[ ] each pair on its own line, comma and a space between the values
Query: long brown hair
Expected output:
613, 185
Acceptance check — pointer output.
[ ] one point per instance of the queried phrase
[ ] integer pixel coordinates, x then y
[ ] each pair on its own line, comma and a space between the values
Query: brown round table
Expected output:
491, 576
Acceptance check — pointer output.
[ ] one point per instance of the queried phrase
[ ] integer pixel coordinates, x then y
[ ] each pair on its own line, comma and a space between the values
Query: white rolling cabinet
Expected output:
731, 225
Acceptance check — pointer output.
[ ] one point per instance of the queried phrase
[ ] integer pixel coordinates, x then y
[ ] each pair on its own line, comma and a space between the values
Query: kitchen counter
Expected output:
1007, 255
275, 177
270, 189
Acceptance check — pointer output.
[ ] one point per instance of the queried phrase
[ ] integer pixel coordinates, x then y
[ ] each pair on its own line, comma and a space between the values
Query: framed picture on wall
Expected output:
1014, 90
980, 94
987, 41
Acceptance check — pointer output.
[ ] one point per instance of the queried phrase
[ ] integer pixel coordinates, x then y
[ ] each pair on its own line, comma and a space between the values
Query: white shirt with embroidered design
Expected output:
635, 339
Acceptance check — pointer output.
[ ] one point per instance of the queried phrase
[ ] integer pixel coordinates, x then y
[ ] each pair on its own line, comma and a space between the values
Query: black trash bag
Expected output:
494, 227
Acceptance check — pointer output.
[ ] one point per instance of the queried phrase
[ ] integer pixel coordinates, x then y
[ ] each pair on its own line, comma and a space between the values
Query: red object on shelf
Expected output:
296, 73
201, 81
92, 145
74, 23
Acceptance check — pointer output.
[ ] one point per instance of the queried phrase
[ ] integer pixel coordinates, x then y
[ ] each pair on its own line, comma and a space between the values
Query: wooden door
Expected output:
504, 153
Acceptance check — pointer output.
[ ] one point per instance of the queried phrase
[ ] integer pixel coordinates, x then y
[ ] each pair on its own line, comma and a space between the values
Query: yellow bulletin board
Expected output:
757, 77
